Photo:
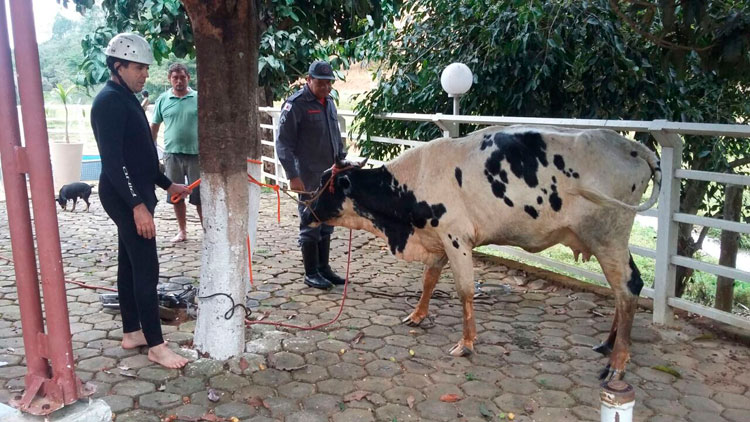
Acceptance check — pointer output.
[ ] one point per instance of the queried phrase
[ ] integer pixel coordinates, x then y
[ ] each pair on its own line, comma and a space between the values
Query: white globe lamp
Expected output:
456, 79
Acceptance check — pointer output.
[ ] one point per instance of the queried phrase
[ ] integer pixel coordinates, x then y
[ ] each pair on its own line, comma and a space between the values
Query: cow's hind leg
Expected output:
606, 347
625, 280
463, 275
429, 280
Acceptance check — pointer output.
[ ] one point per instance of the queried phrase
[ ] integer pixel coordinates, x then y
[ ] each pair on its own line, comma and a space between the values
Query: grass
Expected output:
701, 289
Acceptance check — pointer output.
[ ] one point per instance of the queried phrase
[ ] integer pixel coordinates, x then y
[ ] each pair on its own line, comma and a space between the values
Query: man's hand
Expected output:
144, 221
177, 189
296, 184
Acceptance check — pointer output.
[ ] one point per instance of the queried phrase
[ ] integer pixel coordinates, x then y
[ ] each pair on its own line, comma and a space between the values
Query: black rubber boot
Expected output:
310, 259
324, 249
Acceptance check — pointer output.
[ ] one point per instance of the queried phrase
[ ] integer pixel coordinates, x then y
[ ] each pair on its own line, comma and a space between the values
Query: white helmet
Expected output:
131, 47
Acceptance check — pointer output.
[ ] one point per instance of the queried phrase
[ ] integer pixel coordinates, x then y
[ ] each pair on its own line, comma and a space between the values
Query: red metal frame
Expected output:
51, 382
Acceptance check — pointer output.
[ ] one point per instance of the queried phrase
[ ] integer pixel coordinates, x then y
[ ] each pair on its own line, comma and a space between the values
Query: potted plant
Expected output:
66, 157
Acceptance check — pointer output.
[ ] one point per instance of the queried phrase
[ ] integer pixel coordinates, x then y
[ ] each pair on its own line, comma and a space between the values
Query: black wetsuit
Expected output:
130, 171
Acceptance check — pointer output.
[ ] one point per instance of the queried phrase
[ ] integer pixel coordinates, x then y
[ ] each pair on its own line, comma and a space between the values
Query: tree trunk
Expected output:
226, 41
692, 199
729, 245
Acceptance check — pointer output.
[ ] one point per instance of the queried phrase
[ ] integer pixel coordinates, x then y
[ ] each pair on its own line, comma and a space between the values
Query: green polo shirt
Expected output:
180, 117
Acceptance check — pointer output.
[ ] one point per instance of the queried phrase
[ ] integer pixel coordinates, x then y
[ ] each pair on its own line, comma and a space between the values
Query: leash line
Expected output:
315, 327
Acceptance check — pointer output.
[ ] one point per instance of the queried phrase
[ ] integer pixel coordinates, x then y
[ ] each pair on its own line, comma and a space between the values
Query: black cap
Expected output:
320, 69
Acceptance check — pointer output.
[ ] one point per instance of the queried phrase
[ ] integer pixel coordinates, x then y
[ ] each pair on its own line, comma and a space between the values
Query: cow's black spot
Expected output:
575, 175
449, 236
379, 197
458, 177
559, 162
555, 202
523, 151
498, 188
508, 202
539, 200
554, 179
486, 141
455, 244
554, 188
531, 211
567, 174
544, 191
633, 154
504, 176
632, 188
635, 284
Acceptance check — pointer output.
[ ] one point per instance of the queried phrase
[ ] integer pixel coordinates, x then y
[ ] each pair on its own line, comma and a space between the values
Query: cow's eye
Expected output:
343, 182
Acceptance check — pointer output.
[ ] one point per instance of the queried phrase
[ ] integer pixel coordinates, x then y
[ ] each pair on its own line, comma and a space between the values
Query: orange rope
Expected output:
176, 197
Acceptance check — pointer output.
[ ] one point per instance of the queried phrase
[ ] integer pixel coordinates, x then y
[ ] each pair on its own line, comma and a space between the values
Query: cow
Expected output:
532, 187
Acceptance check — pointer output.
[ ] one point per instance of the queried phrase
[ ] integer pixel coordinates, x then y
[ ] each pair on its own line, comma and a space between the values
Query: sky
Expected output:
44, 15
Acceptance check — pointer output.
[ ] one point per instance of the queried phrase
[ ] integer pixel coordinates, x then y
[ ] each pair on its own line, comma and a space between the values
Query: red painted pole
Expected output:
17, 203
47, 387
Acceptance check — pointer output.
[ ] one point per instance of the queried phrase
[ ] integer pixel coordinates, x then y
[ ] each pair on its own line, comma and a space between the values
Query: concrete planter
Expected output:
66, 163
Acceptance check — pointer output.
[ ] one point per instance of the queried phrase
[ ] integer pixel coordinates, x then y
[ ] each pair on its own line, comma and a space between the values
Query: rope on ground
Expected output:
315, 327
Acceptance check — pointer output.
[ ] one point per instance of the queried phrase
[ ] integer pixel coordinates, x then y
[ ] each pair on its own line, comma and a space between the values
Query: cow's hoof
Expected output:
604, 348
608, 374
412, 322
460, 350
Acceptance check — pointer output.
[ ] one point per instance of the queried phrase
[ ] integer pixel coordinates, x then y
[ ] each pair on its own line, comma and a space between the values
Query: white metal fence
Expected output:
668, 134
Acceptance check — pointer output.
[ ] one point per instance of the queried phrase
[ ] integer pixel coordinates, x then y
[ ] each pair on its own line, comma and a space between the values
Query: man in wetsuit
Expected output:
130, 171
308, 143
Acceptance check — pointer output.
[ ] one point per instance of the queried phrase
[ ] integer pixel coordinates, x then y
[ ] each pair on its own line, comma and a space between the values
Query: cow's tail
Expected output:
599, 198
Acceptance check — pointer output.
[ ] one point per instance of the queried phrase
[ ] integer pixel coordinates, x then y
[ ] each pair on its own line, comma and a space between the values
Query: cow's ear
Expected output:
362, 163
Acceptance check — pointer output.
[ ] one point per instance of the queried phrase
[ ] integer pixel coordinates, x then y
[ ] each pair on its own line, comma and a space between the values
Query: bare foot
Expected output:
164, 356
181, 236
133, 340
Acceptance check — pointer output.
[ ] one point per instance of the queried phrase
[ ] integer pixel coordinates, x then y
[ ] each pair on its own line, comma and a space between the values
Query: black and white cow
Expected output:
532, 187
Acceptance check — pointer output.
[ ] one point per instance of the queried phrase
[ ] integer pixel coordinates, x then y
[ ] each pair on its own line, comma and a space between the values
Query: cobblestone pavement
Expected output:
533, 359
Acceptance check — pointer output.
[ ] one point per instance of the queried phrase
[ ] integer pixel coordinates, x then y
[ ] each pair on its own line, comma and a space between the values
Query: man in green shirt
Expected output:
178, 109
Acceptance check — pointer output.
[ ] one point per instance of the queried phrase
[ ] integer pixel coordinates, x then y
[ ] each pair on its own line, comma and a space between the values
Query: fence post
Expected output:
729, 246
277, 169
669, 203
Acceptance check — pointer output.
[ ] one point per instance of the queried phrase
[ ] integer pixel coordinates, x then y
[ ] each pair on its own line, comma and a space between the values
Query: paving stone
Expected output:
346, 371
735, 415
159, 401
95, 364
133, 388
234, 410
322, 403
118, 404
185, 386
139, 415
190, 412
296, 390
285, 361
732, 401
354, 415
228, 382
310, 373
391, 412
437, 410
157, 374
701, 404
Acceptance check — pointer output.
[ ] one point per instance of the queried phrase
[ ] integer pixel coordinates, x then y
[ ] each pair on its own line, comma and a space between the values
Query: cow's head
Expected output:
335, 187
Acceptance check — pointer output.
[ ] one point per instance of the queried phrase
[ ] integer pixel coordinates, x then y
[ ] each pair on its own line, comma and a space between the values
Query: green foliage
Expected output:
560, 58
295, 34
64, 94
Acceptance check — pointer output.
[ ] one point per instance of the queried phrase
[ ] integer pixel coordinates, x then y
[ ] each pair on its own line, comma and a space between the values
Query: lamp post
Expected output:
456, 80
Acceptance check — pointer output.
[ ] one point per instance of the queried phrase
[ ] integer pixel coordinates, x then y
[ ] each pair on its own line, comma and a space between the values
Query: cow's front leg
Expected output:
463, 275
429, 280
